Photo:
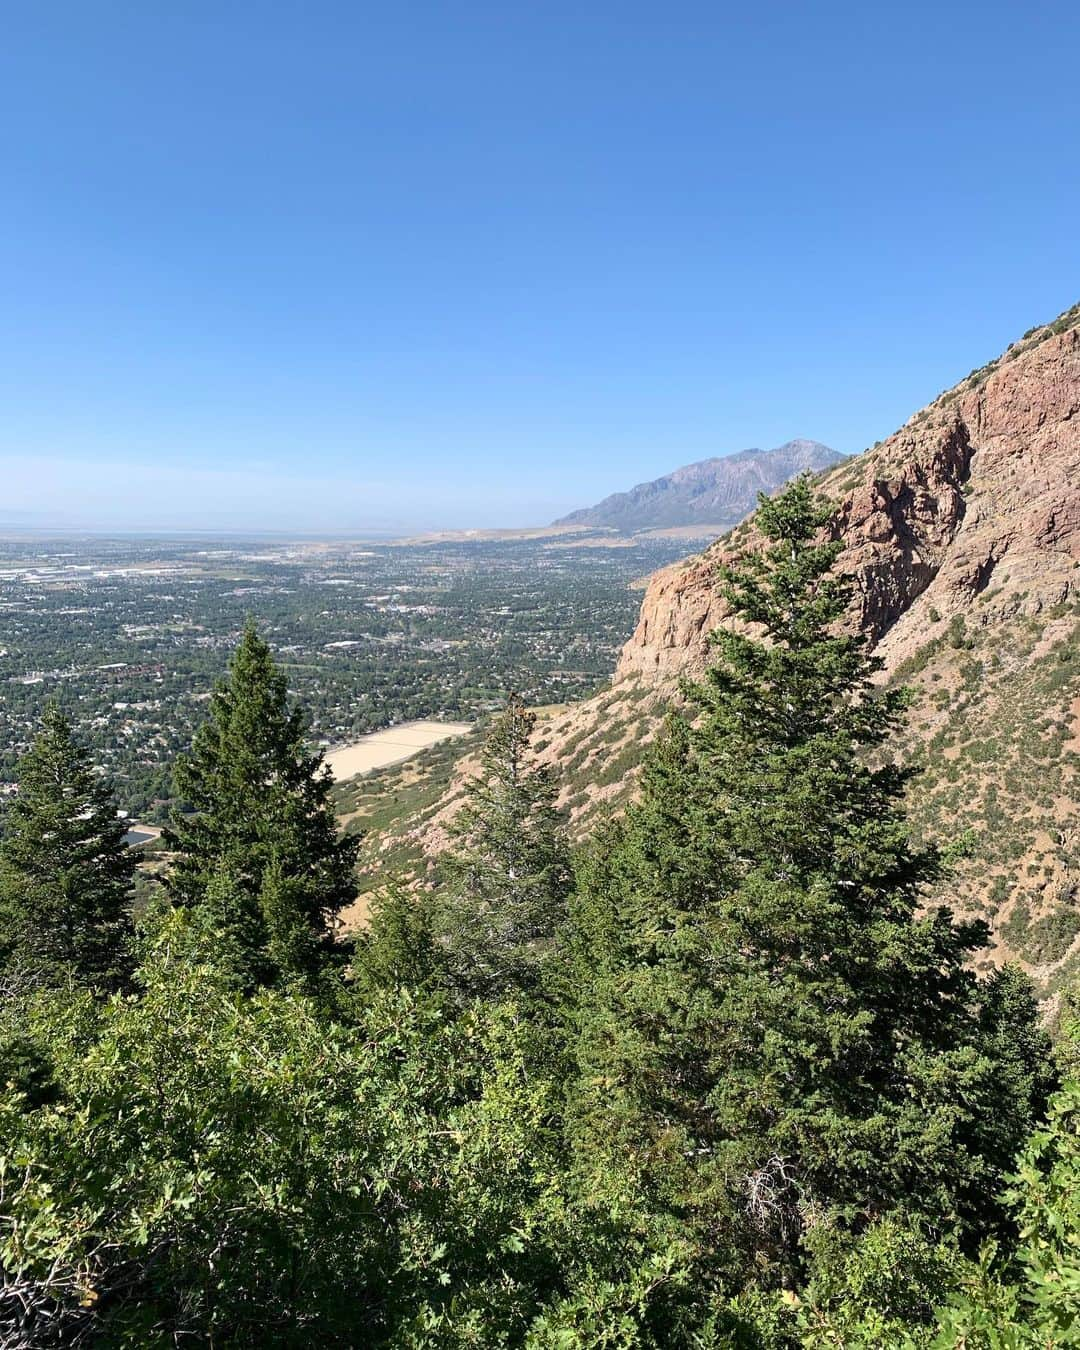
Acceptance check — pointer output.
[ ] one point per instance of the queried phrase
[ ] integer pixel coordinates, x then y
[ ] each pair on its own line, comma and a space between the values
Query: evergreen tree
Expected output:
65, 870
399, 945
257, 838
772, 1029
228, 920
508, 875
292, 943
1018, 1045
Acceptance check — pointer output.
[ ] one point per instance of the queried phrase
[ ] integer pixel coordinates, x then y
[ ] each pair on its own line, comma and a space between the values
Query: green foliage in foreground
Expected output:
763, 1105
242, 1170
1031, 1297
65, 870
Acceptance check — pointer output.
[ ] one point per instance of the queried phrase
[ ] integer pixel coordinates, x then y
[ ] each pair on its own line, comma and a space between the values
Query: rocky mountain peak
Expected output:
713, 494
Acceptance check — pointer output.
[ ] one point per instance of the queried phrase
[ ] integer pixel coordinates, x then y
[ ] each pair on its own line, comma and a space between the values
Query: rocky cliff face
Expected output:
963, 537
979, 492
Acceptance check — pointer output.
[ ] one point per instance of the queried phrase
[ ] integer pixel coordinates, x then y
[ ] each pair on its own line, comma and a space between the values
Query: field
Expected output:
391, 746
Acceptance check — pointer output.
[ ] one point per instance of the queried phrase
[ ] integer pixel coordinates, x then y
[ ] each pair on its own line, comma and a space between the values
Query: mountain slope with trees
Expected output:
962, 534
727, 1072
728, 1081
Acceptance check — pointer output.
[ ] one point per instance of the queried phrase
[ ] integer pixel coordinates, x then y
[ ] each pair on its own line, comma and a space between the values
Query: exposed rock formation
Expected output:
963, 535
979, 490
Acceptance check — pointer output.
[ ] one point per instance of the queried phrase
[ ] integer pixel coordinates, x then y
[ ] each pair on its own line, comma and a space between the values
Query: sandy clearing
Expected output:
139, 834
390, 746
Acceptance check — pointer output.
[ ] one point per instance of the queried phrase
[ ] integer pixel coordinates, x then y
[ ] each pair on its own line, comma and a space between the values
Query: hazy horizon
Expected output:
316, 505
339, 269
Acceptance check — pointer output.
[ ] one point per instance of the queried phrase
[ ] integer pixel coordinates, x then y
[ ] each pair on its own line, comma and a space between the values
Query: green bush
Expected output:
244, 1171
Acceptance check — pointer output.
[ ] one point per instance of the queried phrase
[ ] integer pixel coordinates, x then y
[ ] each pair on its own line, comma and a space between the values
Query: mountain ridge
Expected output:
715, 493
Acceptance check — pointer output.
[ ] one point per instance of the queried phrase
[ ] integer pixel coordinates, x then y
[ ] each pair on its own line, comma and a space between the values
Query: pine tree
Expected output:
508, 875
292, 943
1026, 1076
257, 822
228, 920
65, 870
399, 946
774, 1029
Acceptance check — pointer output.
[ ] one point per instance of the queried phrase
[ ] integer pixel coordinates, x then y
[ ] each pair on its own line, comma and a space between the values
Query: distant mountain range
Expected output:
715, 494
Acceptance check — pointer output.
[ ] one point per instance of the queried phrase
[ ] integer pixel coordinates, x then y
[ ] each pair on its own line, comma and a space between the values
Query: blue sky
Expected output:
323, 265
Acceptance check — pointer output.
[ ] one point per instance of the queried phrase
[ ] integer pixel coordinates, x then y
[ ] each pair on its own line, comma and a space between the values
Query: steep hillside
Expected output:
964, 540
714, 494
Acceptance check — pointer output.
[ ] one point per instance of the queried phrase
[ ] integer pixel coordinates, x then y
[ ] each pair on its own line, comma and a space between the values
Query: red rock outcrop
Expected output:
980, 490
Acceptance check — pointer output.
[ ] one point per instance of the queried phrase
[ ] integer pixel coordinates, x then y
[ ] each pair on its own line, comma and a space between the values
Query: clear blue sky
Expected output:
323, 265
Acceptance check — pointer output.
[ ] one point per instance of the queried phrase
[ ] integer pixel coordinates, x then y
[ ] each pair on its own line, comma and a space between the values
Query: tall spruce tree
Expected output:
399, 946
507, 876
65, 870
773, 1030
256, 837
1026, 1075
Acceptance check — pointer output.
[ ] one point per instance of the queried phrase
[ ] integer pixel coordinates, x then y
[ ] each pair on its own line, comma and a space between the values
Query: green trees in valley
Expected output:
65, 870
257, 831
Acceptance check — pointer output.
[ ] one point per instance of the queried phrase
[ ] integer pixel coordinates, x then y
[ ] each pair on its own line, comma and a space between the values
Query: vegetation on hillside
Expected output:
1000, 768
723, 1078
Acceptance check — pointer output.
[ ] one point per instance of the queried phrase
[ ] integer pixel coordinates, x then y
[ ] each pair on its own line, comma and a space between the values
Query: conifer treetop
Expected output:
65, 869
257, 821
508, 873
